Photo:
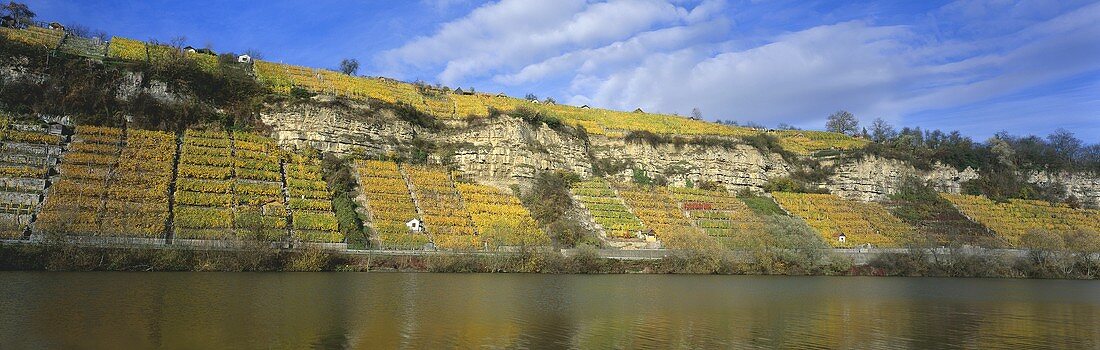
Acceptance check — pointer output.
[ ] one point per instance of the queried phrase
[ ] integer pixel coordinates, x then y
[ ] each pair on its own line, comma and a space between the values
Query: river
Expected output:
115, 310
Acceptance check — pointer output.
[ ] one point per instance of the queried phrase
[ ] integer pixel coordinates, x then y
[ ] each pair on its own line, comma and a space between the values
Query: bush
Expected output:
536, 118
549, 202
788, 184
301, 93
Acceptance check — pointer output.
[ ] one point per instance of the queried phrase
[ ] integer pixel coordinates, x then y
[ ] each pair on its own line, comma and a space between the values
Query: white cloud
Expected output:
872, 70
671, 56
512, 34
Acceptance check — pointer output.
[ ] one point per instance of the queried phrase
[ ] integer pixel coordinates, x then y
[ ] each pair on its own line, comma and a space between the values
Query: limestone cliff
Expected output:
1086, 187
875, 178
506, 150
503, 151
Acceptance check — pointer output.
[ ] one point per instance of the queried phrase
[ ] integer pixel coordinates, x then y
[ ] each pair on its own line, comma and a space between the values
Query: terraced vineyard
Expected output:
87, 47
809, 141
204, 187
27, 155
720, 214
130, 49
136, 202
310, 202
500, 217
447, 105
441, 208
390, 204
127, 49
607, 209
76, 201
832, 216
35, 36
1013, 219
658, 211
282, 78
229, 187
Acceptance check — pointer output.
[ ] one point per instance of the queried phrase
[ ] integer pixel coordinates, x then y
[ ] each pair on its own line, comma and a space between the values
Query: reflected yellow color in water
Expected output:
431, 311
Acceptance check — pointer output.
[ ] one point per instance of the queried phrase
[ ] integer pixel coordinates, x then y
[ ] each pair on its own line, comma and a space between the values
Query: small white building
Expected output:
244, 59
415, 225
841, 238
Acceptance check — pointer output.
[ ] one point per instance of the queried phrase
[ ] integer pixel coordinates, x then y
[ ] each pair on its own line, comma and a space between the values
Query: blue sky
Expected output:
1027, 67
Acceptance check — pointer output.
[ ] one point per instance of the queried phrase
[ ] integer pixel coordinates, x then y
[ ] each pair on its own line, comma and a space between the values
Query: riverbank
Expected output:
898, 262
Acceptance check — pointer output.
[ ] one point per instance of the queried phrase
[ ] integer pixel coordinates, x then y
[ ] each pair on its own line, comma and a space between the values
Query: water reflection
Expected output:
417, 311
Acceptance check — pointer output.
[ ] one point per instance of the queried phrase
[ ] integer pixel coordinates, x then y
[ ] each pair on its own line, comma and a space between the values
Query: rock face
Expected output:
337, 129
1086, 187
875, 178
505, 150
737, 167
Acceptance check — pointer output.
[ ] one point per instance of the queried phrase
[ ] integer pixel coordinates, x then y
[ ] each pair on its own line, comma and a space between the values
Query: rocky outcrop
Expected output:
341, 129
1084, 186
507, 149
736, 167
17, 70
875, 178
504, 150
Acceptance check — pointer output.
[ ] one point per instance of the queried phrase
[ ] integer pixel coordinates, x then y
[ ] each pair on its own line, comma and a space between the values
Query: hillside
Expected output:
141, 143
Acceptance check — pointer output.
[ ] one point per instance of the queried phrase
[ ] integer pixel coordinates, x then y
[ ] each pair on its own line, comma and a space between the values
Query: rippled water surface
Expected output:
432, 311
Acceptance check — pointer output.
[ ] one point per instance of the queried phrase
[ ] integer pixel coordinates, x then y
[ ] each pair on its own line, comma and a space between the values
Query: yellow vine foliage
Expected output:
860, 222
500, 217
720, 214
1012, 219
655, 207
607, 208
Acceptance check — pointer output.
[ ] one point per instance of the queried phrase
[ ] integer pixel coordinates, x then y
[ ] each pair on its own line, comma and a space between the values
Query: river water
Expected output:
437, 311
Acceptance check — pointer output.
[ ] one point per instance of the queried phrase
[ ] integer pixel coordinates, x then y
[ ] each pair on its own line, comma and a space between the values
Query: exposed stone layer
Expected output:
504, 151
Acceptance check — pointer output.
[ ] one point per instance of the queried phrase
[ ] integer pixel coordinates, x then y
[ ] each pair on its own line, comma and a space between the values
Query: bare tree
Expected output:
349, 66
696, 114
882, 131
254, 53
842, 122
